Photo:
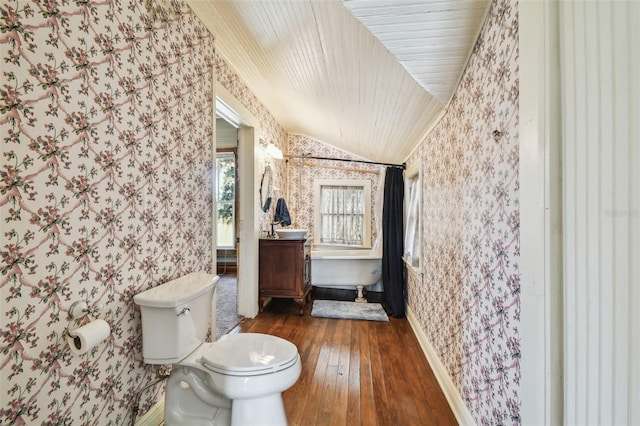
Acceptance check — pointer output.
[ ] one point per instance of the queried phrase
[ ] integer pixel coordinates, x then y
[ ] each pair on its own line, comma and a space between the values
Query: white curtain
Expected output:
342, 210
411, 240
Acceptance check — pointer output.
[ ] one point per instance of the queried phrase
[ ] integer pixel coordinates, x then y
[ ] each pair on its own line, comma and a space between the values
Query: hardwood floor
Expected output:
354, 372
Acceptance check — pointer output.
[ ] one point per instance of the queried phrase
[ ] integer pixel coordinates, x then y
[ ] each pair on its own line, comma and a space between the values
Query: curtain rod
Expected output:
312, 157
345, 168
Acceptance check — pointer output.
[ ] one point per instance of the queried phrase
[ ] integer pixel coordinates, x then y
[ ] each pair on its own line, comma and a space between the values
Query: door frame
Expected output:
541, 326
232, 110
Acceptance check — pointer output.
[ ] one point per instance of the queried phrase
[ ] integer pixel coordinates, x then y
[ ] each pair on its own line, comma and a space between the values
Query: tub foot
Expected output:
360, 298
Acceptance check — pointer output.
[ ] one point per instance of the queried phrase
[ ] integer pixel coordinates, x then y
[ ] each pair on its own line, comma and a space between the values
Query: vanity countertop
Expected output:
307, 238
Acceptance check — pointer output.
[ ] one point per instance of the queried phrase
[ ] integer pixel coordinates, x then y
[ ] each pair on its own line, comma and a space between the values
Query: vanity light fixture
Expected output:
271, 149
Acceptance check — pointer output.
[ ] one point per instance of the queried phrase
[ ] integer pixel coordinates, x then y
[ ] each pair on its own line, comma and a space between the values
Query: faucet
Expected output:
273, 232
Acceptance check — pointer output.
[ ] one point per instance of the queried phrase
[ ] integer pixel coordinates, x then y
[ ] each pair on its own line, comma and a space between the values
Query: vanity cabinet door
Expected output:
282, 271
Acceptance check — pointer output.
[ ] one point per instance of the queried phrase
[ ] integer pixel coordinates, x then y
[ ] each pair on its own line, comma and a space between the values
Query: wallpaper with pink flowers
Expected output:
303, 172
105, 190
468, 301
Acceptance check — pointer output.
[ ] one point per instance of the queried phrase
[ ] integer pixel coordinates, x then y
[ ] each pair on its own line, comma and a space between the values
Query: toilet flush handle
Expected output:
184, 311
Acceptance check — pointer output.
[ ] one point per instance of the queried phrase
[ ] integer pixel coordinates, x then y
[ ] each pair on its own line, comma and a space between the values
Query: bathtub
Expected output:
346, 269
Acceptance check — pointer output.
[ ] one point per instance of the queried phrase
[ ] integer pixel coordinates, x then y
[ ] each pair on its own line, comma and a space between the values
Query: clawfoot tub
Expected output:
346, 269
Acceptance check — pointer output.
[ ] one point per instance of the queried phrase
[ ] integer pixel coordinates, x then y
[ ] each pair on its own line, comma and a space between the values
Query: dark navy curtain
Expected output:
393, 270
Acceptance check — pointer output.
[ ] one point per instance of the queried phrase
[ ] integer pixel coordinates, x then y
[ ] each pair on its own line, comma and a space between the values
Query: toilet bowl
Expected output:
237, 380
251, 370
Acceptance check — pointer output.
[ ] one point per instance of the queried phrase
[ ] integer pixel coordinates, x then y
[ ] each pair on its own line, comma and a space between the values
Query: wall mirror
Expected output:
265, 189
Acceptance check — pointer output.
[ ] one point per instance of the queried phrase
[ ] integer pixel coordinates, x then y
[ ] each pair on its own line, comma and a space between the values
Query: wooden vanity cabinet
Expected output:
285, 270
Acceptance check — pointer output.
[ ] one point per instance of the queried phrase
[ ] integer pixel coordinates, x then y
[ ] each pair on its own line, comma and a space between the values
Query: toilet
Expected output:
237, 380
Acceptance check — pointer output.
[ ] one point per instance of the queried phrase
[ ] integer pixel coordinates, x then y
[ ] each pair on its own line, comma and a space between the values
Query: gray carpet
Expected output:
226, 305
349, 310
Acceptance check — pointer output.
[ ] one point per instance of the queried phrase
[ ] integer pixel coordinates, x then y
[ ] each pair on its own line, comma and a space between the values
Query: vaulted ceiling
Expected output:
367, 76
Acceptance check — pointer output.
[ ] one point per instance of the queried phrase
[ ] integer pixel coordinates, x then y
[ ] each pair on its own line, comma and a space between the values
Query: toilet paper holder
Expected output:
77, 311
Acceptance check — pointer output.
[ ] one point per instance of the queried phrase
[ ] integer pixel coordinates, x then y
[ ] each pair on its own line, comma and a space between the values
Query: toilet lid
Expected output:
249, 354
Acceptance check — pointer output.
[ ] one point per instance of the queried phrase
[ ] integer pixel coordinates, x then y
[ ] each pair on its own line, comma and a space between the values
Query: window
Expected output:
412, 254
226, 200
342, 213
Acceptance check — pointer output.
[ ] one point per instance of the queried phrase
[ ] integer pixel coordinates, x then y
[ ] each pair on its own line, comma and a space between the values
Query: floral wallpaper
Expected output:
468, 300
105, 190
301, 178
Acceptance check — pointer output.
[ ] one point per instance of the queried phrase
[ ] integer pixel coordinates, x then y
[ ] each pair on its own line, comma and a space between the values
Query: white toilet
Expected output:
237, 380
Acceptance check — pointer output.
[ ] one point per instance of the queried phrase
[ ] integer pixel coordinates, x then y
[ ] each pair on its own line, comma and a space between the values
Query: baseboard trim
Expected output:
153, 417
460, 410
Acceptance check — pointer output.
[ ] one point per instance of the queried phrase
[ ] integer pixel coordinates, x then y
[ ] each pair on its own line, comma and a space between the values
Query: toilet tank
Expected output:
176, 316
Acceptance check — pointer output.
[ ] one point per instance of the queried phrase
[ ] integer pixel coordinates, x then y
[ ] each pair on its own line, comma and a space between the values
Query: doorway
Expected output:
226, 226
227, 202
246, 231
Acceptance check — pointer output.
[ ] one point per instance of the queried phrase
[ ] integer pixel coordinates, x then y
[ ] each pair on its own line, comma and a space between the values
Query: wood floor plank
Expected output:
378, 373
316, 387
353, 410
354, 372
367, 398
406, 394
325, 410
433, 398
327, 405
341, 400
296, 397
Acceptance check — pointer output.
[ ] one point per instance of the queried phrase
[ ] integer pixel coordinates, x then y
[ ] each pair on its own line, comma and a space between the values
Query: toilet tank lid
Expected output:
178, 291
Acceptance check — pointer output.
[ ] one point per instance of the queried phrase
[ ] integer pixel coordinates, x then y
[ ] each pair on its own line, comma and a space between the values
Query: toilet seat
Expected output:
249, 354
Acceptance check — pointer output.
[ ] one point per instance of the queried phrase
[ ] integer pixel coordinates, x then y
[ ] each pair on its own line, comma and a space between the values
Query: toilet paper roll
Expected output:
88, 336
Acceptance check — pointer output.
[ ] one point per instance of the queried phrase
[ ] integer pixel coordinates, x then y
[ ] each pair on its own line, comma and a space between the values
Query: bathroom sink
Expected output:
291, 234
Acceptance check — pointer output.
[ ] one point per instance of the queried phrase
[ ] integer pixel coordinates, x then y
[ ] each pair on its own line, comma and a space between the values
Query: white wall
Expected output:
226, 134
600, 50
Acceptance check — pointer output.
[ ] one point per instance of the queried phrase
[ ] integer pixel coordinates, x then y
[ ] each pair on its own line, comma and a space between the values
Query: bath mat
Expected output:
348, 310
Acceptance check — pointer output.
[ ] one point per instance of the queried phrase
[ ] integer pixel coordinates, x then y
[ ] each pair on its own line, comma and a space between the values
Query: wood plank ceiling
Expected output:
367, 76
